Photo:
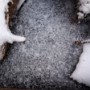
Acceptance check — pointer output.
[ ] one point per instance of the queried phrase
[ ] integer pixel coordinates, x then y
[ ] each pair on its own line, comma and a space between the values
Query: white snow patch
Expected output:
82, 71
84, 8
5, 33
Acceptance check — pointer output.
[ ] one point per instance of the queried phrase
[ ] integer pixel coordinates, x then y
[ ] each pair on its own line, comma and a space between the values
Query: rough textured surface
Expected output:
48, 57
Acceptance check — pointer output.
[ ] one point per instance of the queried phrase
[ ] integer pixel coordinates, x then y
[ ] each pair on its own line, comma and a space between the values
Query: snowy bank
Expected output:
83, 8
82, 71
6, 11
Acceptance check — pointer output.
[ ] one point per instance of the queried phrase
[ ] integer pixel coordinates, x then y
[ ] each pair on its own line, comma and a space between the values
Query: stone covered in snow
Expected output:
49, 56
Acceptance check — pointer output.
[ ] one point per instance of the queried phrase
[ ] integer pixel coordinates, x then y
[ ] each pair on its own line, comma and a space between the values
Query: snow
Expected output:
49, 55
20, 4
82, 71
84, 8
5, 34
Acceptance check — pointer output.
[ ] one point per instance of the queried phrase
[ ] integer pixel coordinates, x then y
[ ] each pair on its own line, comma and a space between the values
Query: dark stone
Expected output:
49, 55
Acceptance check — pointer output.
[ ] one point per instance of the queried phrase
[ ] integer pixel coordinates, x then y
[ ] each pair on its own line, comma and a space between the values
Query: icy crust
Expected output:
5, 33
82, 71
84, 8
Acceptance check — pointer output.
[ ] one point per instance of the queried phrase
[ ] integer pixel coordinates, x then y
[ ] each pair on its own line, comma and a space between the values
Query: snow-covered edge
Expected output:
82, 71
20, 4
5, 33
83, 8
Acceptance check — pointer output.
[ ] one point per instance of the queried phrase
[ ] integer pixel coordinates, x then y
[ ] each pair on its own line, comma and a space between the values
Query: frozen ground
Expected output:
49, 56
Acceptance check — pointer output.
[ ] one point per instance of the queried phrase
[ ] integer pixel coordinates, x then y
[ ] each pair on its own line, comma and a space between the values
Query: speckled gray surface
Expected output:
49, 55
